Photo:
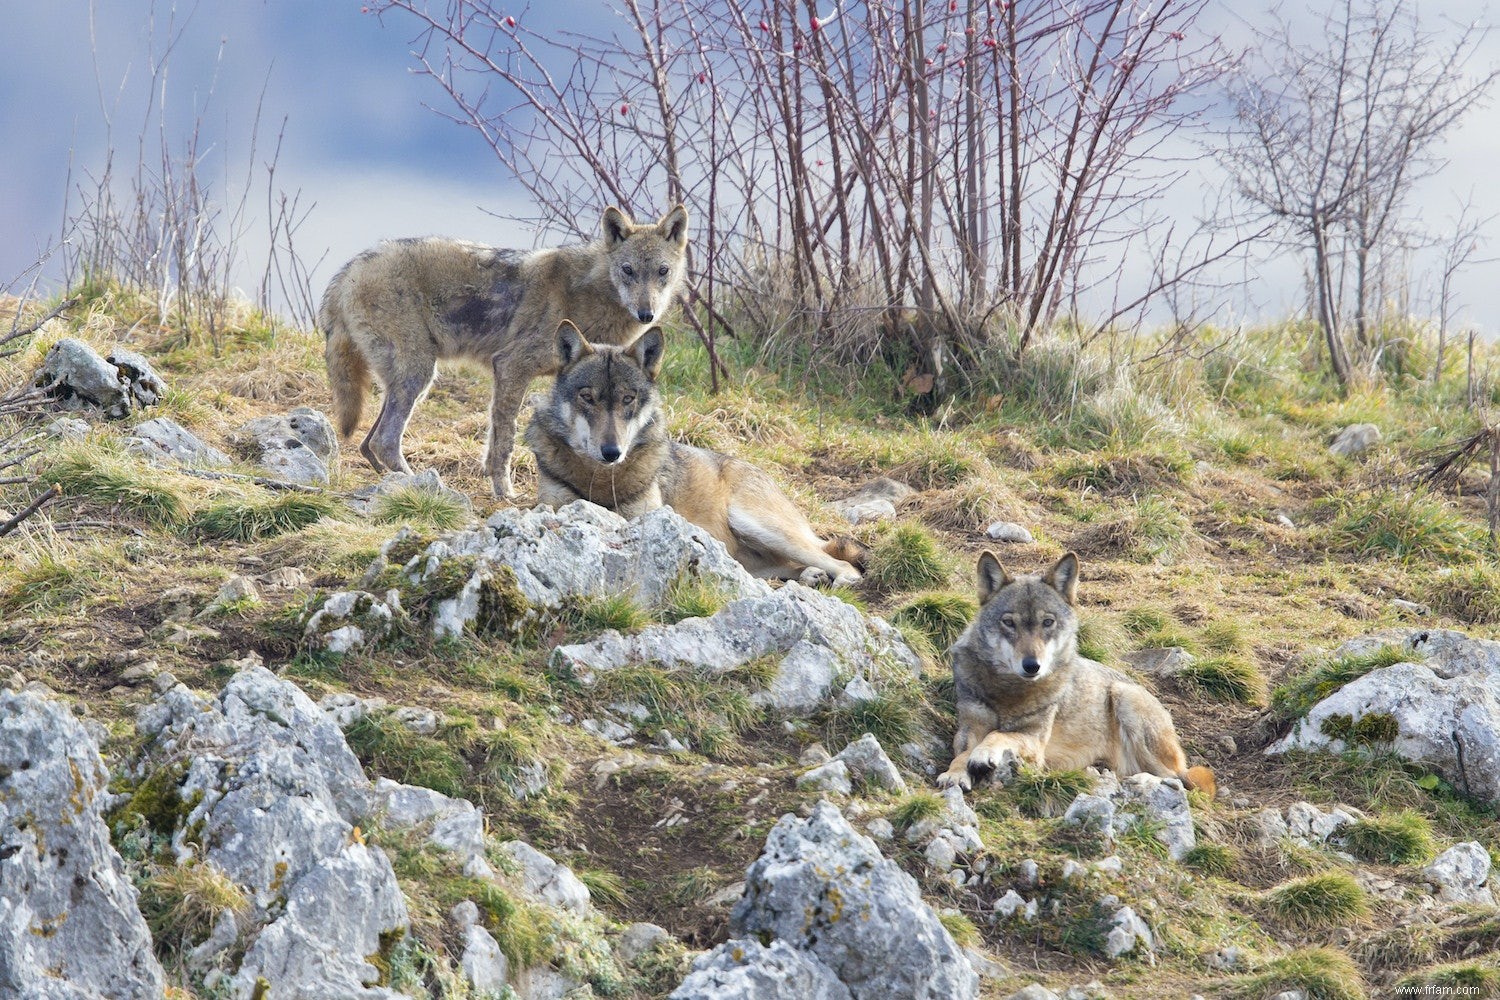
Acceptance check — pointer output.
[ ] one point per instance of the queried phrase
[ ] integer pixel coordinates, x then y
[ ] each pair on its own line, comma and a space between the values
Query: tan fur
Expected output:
1073, 714
396, 310
731, 499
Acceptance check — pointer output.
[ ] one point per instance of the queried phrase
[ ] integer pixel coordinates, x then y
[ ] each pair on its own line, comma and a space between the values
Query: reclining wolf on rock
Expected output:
601, 436
395, 310
1022, 689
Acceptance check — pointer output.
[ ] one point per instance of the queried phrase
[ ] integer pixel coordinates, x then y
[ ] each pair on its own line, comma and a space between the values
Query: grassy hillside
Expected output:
1199, 492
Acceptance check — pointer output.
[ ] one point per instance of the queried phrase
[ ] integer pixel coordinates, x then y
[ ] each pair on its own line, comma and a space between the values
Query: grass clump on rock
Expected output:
1330, 899
908, 558
1404, 838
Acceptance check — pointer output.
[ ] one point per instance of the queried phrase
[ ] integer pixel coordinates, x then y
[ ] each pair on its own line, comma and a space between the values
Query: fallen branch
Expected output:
18, 332
35, 505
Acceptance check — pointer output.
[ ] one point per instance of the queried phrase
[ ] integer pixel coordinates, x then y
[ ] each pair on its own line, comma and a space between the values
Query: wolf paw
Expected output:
812, 576
996, 764
502, 488
955, 779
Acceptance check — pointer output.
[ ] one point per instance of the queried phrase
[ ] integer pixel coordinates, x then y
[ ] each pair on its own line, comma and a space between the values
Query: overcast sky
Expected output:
371, 161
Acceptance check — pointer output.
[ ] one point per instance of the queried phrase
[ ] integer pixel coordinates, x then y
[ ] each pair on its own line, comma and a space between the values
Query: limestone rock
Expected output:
824, 889
745, 969
1127, 933
1165, 662
830, 777
69, 922
817, 637
1009, 532
547, 880
74, 377
867, 760
1462, 874
875, 501
1445, 704
1356, 439
297, 447
638, 939
1114, 806
163, 441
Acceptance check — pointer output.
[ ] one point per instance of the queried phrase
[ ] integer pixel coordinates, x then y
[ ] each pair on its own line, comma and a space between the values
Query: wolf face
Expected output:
604, 396
1026, 625
646, 262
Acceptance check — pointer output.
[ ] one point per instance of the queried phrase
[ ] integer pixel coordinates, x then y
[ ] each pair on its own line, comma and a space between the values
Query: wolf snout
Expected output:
645, 315
610, 452
1030, 665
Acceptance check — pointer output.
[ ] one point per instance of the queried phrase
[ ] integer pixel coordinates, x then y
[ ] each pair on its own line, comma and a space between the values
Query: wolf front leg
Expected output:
513, 368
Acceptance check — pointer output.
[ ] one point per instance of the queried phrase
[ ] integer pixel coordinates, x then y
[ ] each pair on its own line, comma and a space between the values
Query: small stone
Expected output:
880, 829
465, 914
1462, 874
1410, 608
858, 691
941, 854
830, 777
638, 939
1285, 522
1072, 871
1009, 532
814, 755
1127, 932
1165, 662
1111, 865
1036, 991
422, 721
1010, 904
1356, 439
1029, 872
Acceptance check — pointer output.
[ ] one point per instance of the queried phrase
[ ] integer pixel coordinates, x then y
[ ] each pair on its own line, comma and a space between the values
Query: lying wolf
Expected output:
396, 310
1021, 686
601, 437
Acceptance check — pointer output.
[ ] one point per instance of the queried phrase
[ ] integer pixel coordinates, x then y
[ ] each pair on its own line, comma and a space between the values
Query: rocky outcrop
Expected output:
163, 441
297, 447
69, 922
74, 377
524, 564
745, 969
816, 638
875, 501
1114, 806
1442, 707
1461, 874
1355, 439
271, 795
826, 892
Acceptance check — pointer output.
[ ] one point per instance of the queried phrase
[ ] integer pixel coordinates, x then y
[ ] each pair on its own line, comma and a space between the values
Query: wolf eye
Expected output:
626, 400
629, 271
662, 270
586, 396
1048, 622
1009, 621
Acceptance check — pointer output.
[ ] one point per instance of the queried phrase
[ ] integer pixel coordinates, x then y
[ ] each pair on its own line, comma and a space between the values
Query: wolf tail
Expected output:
850, 550
348, 370
1202, 779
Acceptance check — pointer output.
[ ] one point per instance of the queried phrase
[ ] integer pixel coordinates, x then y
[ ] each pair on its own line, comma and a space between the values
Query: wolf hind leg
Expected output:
1148, 742
382, 445
766, 520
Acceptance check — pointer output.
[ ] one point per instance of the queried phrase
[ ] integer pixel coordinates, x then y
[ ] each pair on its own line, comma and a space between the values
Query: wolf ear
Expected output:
673, 226
1063, 577
617, 225
570, 343
647, 351
992, 576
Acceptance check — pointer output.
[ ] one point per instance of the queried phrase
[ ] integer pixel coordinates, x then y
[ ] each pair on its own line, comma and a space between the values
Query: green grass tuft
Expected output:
1321, 973
391, 749
1211, 858
709, 713
693, 597
1102, 637
1404, 838
421, 509
942, 617
618, 611
1226, 677
1330, 899
1041, 794
915, 808
961, 929
907, 558
1409, 525
119, 482
1479, 978
1293, 699
893, 719
251, 518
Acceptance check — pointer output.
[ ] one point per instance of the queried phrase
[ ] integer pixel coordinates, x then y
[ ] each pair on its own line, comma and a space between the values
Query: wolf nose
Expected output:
645, 315
1031, 665
609, 452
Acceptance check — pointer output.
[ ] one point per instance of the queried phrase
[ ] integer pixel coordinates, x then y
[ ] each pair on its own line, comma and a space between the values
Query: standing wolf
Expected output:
397, 309
601, 437
1021, 686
